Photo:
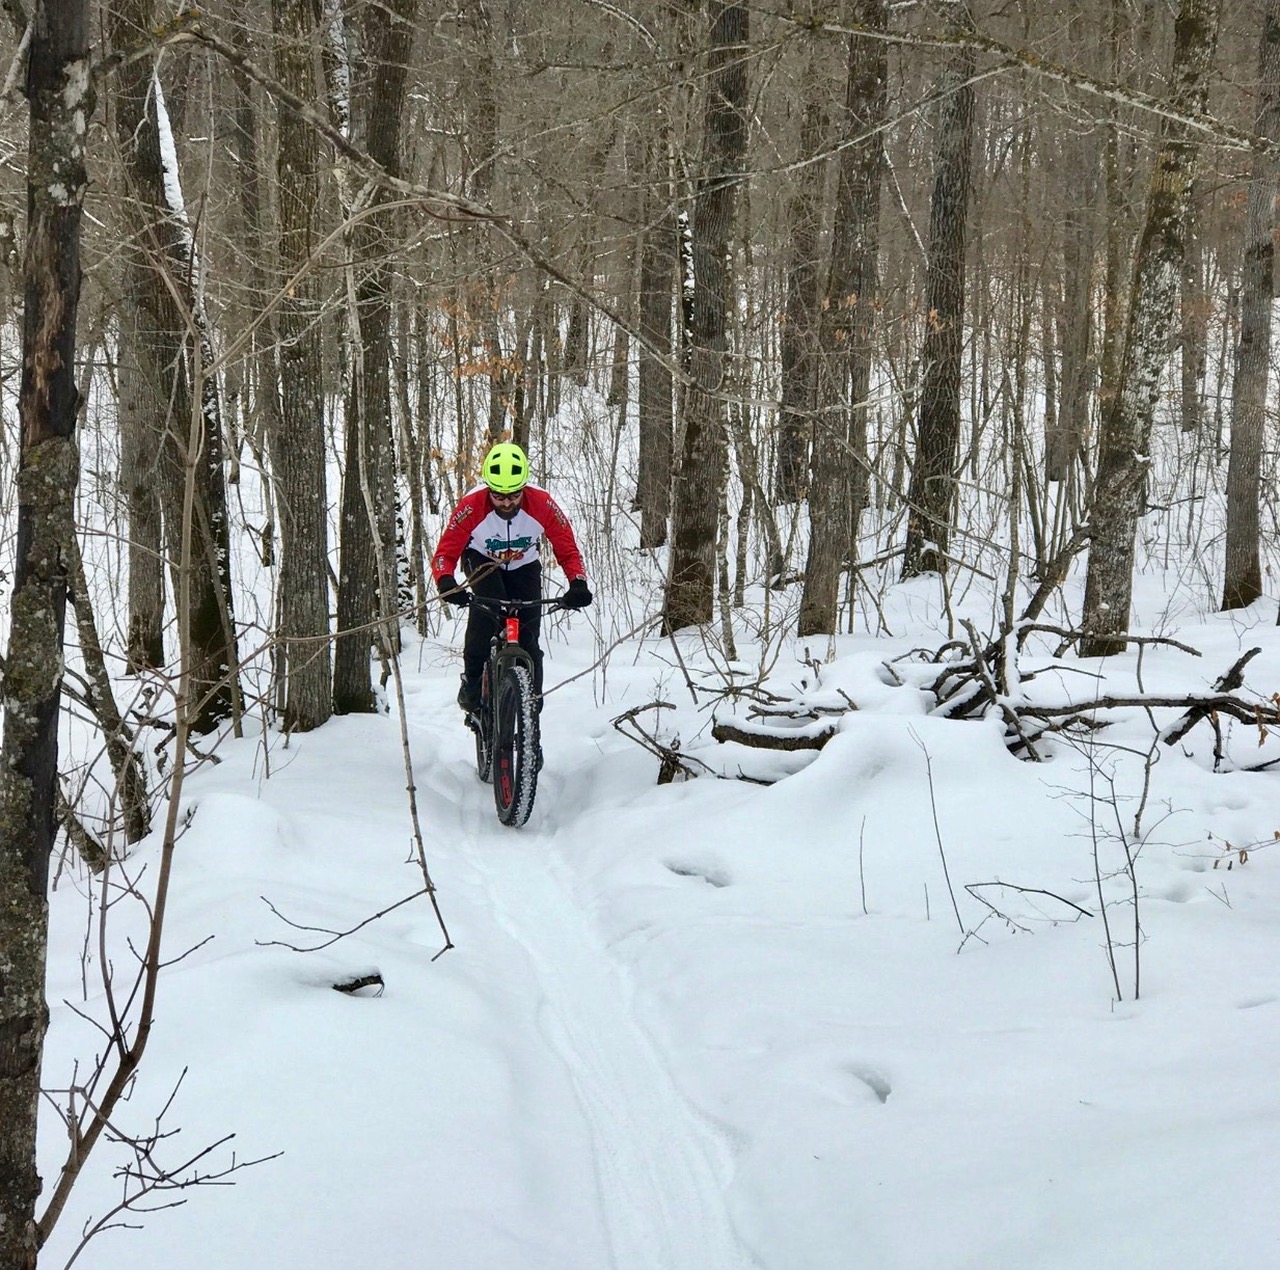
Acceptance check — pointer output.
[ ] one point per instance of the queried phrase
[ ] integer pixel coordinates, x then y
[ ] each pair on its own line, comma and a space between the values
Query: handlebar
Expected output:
504, 606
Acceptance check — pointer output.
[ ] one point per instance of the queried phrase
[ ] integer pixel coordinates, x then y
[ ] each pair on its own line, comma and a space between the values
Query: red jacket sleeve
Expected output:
470, 510
548, 513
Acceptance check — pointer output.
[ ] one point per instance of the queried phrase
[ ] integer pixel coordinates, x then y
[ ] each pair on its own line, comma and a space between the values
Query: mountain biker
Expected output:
494, 530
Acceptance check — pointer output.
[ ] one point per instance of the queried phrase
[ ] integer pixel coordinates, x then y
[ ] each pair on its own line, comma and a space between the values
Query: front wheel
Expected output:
479, 725
515, 756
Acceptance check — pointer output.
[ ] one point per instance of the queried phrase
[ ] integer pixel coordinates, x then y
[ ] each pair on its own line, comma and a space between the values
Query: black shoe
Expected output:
469, 695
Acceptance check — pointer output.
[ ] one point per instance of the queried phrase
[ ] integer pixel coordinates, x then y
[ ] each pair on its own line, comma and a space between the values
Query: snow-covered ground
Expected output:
714, 1024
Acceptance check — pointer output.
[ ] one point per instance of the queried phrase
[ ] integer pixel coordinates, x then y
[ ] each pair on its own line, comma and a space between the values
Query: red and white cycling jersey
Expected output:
509, 543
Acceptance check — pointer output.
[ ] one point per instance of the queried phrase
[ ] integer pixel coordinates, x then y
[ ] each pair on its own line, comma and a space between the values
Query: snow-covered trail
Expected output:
661, 1191
661, 1170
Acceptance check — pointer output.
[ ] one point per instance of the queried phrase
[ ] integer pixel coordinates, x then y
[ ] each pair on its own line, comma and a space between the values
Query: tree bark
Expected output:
1064, 441
655, 403
170, 342
58, 93
1194, 318
367, 548
700, 481
298, 448
1242, 582
837, 484
140, 476
1120, 485
931, 493
798, 353
262, 410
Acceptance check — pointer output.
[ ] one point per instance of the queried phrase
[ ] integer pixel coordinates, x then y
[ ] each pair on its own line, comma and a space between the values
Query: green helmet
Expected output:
505, 468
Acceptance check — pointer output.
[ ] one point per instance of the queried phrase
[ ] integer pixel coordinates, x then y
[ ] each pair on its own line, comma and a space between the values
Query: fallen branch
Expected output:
1201, 706
672, 762
336, 934
1228, 682
774, 738
371, 980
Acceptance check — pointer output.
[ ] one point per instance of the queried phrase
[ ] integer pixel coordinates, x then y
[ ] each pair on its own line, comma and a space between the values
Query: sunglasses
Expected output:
507, 498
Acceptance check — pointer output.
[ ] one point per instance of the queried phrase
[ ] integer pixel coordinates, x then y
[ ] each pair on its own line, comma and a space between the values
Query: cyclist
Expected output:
494, 530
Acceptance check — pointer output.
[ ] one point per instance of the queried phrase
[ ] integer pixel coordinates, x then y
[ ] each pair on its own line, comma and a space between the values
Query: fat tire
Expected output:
515, 753
480, 725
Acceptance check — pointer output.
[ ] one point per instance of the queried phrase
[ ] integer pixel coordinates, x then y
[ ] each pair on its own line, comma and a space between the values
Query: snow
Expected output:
169, 162
715, 1024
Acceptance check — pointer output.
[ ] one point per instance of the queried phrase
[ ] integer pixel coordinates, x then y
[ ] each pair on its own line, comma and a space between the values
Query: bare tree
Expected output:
700, 479
1242, 583
298, 448
655, 403
797, 358
931, 496
837, 485
366, 572
58, 93
1124, 458
1065, 439
175, 425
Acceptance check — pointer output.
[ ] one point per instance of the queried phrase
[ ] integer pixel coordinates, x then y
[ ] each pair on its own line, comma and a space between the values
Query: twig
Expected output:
671, 759
862, 877
337, 934
937, 828
971, 887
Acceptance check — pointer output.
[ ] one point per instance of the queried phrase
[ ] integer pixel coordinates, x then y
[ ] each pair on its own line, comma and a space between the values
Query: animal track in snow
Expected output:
1252, 1003
713, 877
874, 1079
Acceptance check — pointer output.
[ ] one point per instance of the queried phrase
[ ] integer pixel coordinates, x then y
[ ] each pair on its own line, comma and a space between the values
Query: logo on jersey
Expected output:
507, 550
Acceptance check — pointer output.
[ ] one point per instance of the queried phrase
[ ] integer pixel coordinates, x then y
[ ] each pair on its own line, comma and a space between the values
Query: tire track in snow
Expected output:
661, 1191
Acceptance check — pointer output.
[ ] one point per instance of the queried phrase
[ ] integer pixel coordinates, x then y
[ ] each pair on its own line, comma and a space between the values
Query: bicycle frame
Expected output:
504, 644
508, 744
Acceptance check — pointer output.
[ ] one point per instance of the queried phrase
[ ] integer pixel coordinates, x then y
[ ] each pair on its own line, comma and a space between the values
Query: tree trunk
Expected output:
140, 476
1120, 484
263, 405
700, 481
170, 342
1064, 442
837, 487
655, 403
1242, 582
298, 448
130, 801
931, 493
1194, 316
367, 551
59, 96
800, 314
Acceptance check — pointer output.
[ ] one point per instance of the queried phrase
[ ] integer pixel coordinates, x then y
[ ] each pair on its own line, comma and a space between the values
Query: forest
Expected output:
802, 301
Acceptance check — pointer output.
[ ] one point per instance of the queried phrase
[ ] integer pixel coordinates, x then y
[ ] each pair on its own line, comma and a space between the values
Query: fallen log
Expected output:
775, 738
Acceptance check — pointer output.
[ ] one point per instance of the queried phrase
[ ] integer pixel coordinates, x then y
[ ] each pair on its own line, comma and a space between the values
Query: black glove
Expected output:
578, 596
451, 592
